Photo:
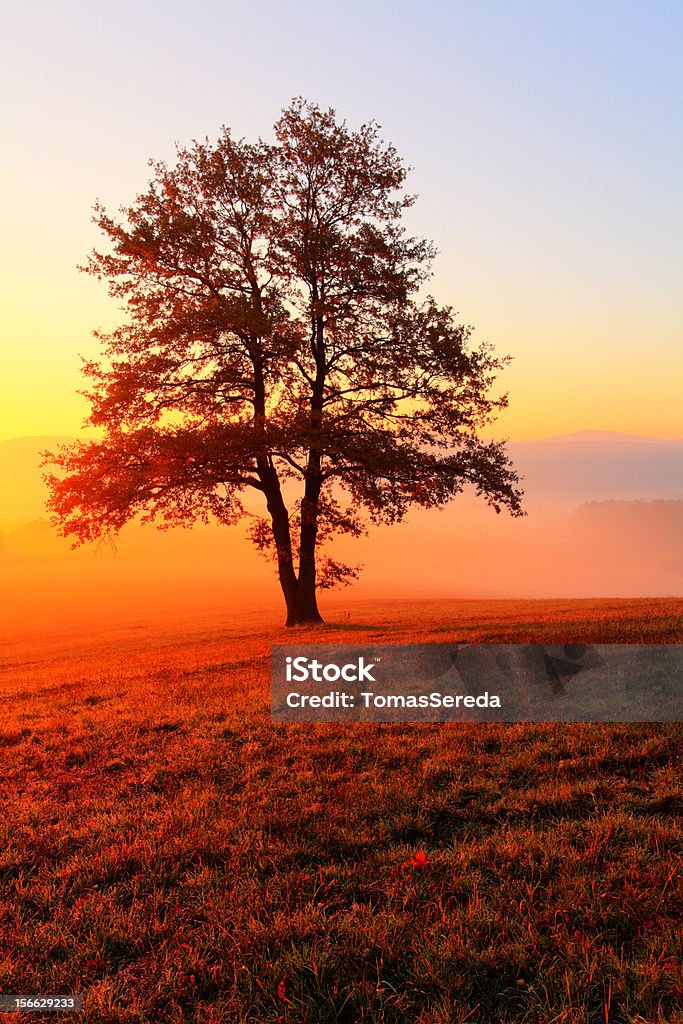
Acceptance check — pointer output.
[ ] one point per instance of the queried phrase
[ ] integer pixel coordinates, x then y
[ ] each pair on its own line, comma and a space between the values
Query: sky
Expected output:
545, 141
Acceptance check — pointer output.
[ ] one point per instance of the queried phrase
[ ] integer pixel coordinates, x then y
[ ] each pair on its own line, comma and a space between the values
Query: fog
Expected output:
629, 543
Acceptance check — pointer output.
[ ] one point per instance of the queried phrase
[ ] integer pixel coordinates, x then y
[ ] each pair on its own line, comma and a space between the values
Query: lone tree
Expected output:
275, 342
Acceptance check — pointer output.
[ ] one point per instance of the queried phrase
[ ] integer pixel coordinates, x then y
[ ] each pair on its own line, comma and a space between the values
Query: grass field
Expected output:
172, 855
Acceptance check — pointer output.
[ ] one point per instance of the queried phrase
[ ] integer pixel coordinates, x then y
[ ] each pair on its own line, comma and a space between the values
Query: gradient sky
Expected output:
545, 138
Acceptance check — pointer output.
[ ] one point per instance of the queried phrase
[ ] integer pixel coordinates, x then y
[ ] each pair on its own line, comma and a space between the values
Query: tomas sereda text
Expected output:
339, 699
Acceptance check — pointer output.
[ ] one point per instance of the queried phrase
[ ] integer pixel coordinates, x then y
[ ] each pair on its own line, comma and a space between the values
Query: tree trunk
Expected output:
279, 518
299, 593
305, 603
304, 609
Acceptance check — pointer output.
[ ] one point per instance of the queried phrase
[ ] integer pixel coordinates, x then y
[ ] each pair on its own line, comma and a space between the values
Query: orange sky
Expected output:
571, 371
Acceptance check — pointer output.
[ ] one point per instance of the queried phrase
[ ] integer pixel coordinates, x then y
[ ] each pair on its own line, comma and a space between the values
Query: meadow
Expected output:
172, 855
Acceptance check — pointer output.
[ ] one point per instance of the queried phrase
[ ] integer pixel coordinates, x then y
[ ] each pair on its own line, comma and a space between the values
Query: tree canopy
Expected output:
277, 341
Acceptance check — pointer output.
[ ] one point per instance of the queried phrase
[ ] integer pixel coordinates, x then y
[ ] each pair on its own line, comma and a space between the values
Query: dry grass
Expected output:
174, 856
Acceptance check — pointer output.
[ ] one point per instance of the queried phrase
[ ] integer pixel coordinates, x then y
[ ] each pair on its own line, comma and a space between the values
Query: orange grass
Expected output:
172, 855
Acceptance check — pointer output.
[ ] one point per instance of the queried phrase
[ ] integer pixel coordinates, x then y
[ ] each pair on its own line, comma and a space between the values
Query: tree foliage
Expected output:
277, 342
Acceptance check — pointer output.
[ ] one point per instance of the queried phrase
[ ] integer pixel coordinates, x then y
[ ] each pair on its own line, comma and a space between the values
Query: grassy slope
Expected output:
169, 853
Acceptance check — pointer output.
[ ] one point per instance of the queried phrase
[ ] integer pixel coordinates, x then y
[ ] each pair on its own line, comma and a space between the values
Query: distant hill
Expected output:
595, 465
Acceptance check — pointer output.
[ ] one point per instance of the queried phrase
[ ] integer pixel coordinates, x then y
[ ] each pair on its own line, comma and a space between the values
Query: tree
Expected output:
276, 343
